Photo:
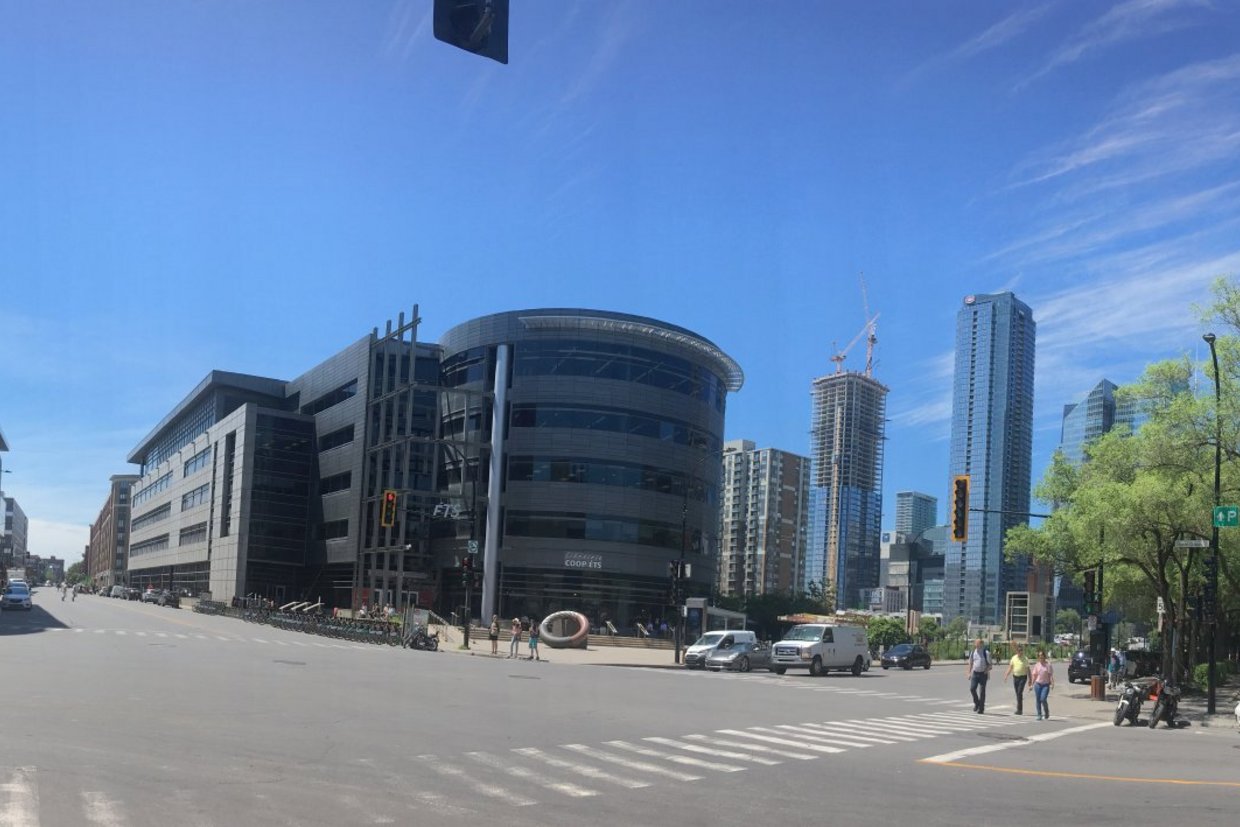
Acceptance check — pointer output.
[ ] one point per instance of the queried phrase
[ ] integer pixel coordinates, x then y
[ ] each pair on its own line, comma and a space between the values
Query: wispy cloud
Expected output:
408, 23
618, 26
1123, 22
994, 36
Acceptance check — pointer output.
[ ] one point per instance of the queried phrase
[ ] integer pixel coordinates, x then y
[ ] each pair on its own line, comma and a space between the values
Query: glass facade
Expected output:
1095, 415
991, 442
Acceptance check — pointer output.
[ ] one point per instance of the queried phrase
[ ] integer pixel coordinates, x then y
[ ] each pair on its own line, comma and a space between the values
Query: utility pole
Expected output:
1212, 566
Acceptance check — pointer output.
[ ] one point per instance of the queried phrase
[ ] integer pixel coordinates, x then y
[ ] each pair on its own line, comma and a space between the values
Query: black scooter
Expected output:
1166, 699
419, 639
1130, 700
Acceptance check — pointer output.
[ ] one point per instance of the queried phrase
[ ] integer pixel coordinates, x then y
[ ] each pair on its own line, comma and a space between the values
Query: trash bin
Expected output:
1097, 688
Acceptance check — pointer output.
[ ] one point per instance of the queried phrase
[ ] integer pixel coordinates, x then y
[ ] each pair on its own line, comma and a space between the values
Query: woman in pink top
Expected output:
1043, 675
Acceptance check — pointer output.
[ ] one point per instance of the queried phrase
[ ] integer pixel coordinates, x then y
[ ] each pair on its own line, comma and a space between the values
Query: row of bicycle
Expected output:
378, 632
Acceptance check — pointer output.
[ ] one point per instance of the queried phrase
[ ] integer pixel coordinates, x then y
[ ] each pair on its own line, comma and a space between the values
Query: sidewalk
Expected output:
594, 655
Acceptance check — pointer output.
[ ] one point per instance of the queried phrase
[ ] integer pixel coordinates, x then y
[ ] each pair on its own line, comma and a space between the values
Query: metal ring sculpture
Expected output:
575, 640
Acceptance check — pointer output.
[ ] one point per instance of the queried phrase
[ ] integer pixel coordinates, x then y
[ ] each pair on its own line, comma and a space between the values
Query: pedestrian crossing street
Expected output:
824, 685
174, 636
528, 776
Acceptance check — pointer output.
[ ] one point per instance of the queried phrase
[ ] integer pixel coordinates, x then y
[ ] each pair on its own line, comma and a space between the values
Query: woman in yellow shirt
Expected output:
1018, 669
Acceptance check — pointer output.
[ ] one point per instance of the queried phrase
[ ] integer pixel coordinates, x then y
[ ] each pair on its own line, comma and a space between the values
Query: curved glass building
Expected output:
590, 459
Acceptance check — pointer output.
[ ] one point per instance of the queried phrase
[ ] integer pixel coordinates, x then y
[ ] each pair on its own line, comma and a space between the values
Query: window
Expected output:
337, 482
154, 488
148, 546
335, 529
197, 462
194, 534
198, 496
341, 436
151, 517
331, 398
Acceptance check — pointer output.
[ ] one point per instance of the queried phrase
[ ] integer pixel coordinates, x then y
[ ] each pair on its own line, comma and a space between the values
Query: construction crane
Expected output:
872, 338
839, 356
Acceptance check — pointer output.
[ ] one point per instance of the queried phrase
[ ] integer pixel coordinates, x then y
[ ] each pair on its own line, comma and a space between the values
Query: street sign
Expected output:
1227, 516
1162, 607
1194, 543
1093, 623
472, 546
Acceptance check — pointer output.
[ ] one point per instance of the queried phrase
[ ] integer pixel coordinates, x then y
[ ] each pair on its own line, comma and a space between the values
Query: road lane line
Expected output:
121, 632
581, 769
22, 806
258, 640
786, 742
948, 757
225, 639
678, 759
489, 790
529, 776
715, 751
1081, 776
724, 742
181, 636
631, 763
161, 634
100, 631
101, 810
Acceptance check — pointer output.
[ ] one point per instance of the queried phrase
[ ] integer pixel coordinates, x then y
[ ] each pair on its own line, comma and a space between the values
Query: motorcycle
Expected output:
1166, 700
1129, 705
420, 639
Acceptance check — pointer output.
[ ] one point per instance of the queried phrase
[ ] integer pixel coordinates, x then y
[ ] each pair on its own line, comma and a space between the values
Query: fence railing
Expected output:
379, 632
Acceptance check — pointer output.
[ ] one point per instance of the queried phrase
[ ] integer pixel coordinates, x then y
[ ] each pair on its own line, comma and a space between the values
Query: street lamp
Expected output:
1212, 585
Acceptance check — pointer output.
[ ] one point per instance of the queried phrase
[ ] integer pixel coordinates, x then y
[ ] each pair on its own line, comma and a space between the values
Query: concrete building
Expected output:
16, 529
915, 512
765, 520
910, 567
992, 443
107, 554
847, 434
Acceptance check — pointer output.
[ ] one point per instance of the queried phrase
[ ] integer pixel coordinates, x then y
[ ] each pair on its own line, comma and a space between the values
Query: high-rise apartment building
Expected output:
15, 529
848, 421
915, 512
992, 443
107, 556
765, 519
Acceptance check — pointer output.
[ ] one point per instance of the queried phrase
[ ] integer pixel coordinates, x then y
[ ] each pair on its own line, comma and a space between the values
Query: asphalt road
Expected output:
117, 713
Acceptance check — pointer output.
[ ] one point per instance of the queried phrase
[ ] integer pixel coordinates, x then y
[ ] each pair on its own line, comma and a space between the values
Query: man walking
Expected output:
978, 671
1018, 668
514, 646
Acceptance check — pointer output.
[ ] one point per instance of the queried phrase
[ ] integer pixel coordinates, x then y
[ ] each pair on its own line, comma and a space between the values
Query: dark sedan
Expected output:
1081, 667
906, 656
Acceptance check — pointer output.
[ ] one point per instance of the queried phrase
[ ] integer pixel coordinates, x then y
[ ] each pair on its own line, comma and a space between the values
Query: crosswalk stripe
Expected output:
140, 634
771, 739
100, 631
439, 804
816, 737
855, 733
582, 769
831, 737
920, 725
79, 631
718, 753
482, 788
226, 639
22, 807
101, 810
161, 634
679, 759
528, 775
724, 742
950, 720
121, 632
901, 733
631, 763
258, 640
181, 636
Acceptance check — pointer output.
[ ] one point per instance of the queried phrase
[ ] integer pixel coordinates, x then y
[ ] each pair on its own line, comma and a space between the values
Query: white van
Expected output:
705, 646
821, 648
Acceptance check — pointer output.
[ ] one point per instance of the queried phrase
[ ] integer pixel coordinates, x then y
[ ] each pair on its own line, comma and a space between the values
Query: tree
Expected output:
1067, 622
76, 573
957, 628
885, 632
930, 629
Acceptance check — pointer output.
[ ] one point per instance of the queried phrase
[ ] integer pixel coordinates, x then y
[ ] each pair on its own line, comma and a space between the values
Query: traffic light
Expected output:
387, 508
478, 26
960, 508
1091, 603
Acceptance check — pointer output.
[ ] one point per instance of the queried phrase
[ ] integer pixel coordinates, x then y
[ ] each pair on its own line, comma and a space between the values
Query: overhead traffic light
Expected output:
478, 26
960, 508
387, 508
1091, 594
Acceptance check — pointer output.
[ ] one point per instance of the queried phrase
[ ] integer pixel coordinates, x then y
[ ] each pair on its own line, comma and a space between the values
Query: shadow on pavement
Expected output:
15, 622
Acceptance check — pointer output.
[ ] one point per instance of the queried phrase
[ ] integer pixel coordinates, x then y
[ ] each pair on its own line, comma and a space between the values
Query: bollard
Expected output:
1097, 688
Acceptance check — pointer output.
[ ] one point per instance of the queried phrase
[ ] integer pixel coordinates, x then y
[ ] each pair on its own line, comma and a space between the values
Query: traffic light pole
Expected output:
1211, 707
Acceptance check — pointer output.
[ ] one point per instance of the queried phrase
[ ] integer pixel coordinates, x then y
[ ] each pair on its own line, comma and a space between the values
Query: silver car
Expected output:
16, 597
742, 656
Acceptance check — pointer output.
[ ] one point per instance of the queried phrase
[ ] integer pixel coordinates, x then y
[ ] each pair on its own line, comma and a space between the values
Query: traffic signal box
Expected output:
478, 26
960, 508
387, 508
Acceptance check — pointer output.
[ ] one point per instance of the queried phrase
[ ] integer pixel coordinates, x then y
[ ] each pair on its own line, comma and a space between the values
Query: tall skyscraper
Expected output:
848, 422
765, 519
991, 442
1095, 415
915, 512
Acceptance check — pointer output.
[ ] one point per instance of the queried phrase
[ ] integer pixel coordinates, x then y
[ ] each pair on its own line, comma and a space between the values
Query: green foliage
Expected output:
930, 629
1067, 622
957, 628
76, 573
764, 610
885, 632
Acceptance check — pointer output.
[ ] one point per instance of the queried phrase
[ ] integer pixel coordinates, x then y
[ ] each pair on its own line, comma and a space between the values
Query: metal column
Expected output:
490, 558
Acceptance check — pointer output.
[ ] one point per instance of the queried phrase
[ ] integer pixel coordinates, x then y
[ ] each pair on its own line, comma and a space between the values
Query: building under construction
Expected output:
846, 499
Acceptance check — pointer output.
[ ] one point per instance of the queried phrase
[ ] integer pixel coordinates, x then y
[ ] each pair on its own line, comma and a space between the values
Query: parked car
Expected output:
163, 597
16, 596
742, 656
906, 656
1081, 667
702, 648
150, 596
117, 591
133, 593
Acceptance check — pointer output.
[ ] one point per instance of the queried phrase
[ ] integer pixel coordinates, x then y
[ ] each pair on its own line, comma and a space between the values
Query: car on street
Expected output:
163, 597
117, 591
133, 593
821, 648
150, 596
702, 648
1081, 667
16, 596
742, 656
906, 656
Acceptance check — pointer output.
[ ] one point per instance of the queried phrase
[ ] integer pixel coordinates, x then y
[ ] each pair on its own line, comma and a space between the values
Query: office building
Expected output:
16, 528
991, 443
107, 554
915, 512
765, 520
1089, 419
848, 423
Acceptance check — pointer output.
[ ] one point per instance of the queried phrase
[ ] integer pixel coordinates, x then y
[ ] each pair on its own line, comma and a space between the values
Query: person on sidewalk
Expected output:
1043, 681
514, 646
534, 639
977, 669
1018, 669
493, 634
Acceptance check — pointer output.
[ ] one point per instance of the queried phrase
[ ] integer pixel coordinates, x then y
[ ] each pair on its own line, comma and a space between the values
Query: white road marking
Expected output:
439, 804
948, 757
79, 630
121, 632
101, 810
181, 636
851, 732
900, 733
20, 805
724, 742
631, 763
161, 634
529, 776
581, 769
258, 640
923, 726
679, 759
841, 739
718, 753
140, 634
489, 790
771, 739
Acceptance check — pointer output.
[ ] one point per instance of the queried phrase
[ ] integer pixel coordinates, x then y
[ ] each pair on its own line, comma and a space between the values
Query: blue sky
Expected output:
252, 186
